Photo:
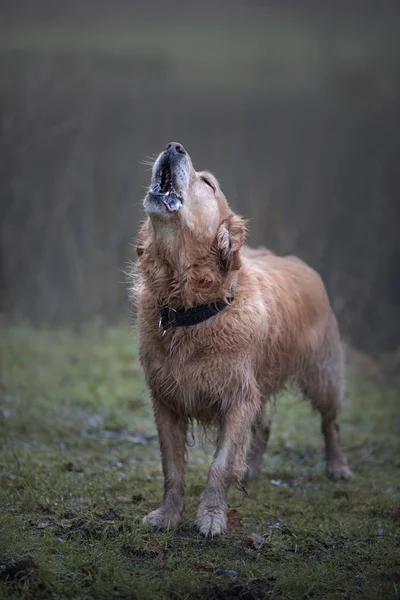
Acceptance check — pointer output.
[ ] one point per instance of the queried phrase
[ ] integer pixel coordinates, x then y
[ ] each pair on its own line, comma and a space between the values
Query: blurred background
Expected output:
293, 105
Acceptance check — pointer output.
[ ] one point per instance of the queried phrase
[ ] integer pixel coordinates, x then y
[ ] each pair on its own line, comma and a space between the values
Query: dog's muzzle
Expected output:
165, 188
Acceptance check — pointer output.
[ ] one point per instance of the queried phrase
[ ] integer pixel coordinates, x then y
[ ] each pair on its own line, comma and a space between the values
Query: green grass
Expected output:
80, 468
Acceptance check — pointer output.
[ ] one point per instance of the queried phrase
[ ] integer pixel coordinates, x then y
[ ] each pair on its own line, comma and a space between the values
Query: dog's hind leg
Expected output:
260, 432
322, 382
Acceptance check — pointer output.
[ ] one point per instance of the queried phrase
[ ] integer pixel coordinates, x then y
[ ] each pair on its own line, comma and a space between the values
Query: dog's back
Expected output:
293, 292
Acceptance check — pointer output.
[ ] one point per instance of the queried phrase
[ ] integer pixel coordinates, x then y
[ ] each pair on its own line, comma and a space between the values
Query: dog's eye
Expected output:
208, 182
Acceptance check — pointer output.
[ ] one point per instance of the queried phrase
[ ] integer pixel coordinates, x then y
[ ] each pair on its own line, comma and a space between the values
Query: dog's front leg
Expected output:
228, 467
172, 435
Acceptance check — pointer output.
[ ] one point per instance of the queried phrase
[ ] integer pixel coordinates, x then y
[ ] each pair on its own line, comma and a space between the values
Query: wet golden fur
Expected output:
222, 371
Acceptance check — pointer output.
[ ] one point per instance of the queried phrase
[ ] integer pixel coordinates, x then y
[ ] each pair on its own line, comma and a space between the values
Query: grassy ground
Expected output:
80, 467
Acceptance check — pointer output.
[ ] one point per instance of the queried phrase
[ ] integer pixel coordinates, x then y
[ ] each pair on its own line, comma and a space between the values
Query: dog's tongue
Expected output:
170, 199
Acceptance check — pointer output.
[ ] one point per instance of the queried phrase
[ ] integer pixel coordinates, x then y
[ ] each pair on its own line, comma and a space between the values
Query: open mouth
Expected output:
163, 190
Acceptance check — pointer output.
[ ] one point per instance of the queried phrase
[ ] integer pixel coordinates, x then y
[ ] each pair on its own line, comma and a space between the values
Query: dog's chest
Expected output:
187, 377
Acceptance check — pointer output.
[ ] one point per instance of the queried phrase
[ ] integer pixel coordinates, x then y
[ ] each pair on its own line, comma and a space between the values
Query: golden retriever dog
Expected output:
222, 328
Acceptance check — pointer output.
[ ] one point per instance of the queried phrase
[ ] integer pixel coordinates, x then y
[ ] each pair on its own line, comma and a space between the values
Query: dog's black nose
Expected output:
175, 148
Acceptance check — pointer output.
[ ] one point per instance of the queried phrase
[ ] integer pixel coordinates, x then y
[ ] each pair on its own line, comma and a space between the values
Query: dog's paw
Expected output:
338, 471
163, 518
211, 521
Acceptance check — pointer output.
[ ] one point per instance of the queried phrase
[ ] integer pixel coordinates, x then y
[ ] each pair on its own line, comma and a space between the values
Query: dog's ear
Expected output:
230, 238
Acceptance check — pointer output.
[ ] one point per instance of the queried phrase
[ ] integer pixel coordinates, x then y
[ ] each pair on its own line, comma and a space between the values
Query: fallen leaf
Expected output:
88, 569
256, 541
234, 519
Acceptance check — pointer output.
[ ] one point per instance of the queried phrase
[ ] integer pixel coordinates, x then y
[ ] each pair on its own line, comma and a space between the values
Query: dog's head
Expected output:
187, 207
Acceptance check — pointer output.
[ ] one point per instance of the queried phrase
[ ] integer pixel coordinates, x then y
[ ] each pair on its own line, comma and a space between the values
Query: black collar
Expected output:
183, 317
